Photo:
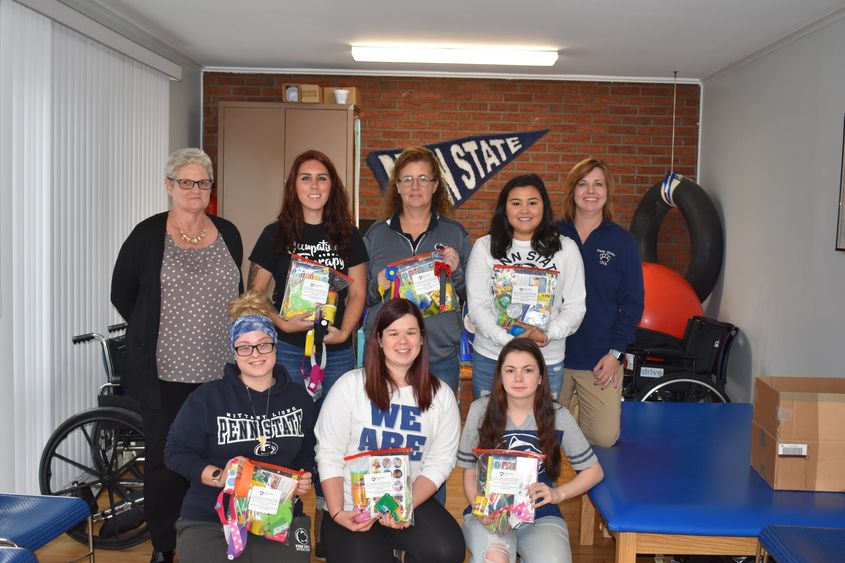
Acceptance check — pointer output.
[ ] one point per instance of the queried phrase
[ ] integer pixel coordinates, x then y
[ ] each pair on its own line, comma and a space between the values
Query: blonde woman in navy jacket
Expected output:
614, 281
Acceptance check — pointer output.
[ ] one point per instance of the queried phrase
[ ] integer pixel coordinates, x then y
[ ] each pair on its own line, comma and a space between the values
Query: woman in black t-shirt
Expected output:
315, 223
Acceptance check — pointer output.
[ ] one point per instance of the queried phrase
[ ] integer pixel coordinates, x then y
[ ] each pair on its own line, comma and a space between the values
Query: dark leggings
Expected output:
434, 536
163, 489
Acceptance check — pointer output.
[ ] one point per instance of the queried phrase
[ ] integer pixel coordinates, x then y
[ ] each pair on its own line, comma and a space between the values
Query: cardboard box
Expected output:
798, 432
328, 95
310, 94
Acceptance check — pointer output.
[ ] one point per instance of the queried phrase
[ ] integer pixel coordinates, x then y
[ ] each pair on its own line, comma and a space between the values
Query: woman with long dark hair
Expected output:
520, 414
393, 402
615, 298
521, 234
314, 222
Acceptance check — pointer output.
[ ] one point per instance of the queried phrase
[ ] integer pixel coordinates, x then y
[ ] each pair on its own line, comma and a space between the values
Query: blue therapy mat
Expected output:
797, 544
682, 468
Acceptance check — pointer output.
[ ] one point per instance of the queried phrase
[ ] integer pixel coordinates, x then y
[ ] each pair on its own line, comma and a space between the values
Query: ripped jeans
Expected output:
546, 541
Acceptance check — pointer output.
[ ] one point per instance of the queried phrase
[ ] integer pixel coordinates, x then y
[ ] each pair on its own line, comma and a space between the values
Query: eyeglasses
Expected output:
246, 349
186, 184
422, 181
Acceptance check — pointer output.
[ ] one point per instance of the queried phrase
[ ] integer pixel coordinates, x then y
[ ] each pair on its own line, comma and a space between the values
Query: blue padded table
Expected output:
679, 481
31, 521
16, 555
798, 544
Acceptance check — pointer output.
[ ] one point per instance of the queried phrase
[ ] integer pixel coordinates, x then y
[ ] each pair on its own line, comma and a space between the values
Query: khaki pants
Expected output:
596, 410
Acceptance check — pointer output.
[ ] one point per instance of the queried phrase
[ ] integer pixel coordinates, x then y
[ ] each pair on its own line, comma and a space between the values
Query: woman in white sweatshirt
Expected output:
521, 234
392, 402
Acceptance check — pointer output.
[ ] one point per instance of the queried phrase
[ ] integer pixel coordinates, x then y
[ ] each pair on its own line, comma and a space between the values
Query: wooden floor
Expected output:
65, 549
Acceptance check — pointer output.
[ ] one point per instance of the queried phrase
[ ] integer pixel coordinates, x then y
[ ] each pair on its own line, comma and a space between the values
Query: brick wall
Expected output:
629, 125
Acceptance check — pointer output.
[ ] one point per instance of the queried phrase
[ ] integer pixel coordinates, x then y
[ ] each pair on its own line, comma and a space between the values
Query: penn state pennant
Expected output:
467, 163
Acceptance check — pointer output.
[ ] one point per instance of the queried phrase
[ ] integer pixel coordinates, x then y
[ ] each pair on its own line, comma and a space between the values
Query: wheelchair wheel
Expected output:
683, 388
98, 455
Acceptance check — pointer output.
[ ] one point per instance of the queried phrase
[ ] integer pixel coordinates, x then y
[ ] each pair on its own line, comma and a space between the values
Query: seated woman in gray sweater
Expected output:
521, 415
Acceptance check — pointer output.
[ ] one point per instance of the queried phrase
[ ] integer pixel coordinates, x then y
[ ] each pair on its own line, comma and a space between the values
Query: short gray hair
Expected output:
184, 157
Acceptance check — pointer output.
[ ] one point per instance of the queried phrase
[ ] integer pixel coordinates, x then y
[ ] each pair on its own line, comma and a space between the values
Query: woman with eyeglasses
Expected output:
172, 282
254, 412
416, 221
314, 222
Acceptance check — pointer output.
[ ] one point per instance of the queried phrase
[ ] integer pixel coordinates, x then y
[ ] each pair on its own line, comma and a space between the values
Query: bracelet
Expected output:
336, 513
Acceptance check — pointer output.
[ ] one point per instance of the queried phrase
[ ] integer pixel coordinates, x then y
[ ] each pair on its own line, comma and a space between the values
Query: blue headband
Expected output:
251, 323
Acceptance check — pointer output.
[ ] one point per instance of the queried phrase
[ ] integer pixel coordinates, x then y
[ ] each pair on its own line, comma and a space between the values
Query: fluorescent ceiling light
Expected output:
454, 55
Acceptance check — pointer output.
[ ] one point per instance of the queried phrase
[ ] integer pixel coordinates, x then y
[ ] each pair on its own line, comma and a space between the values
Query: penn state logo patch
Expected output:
605, 256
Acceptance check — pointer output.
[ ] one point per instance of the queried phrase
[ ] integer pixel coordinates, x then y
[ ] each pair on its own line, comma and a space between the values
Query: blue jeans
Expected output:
483, 370
546, 540
448, 371
338, 362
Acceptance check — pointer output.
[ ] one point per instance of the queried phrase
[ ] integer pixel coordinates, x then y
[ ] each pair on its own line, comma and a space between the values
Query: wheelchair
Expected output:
692, 369
98, 456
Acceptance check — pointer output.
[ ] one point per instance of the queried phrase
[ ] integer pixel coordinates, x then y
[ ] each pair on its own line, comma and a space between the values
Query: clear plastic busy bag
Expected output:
381, 484
260, 501
503, 478
523, 297
312, 288
424, 279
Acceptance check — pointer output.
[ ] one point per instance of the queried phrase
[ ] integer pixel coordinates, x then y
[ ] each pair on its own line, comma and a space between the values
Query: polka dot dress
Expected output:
197, 285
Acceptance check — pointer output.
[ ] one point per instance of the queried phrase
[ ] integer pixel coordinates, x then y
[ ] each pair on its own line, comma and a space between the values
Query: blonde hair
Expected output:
250, 303
439, 200
576, 175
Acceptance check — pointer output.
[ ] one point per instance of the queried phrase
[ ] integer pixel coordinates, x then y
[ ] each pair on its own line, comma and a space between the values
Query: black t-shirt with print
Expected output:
313, 246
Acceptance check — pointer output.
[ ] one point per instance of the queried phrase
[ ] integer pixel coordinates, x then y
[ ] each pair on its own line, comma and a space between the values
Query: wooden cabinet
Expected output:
257, 144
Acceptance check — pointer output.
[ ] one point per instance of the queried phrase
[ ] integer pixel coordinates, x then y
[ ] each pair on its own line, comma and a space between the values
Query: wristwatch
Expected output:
215, 475
620, 356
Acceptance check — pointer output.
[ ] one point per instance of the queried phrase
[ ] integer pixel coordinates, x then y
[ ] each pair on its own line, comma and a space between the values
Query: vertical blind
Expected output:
85, 149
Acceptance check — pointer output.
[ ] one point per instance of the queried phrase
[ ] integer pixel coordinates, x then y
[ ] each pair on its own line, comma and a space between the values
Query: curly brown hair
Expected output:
393, 201
250, 303
576, 175
336, 215
493, 423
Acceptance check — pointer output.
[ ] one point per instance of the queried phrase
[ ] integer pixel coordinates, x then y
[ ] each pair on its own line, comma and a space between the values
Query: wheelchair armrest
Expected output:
670, 353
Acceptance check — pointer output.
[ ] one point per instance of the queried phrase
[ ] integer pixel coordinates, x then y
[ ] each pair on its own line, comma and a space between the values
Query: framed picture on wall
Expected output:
840, 222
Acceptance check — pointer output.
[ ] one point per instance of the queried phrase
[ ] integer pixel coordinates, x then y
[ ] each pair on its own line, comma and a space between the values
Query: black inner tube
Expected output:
703, 222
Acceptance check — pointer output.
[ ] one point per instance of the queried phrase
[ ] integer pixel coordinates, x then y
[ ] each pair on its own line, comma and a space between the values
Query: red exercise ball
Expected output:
669, 300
